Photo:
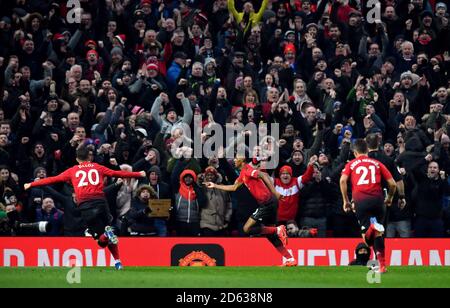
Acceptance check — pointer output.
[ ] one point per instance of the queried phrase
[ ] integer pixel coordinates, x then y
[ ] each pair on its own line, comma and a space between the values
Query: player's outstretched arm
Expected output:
63, 177
121, 174
266, 179
229, 188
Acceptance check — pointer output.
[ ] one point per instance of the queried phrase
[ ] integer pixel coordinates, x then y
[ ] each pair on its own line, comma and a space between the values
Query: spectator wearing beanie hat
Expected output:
150, 16
155, 178
95, 64
440, 15
119, 41
289, 54
237, 113
172, 121
209, 68
289, 187
268, 16
216, 214
90, 44
151, 83
155, 57
116, 54
153, 67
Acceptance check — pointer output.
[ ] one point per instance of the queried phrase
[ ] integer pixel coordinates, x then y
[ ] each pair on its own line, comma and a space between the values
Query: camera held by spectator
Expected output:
18, 227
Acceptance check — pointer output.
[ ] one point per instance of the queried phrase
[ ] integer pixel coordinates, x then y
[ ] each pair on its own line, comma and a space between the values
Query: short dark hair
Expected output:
335, 26
373, 141
360, 146
83, 153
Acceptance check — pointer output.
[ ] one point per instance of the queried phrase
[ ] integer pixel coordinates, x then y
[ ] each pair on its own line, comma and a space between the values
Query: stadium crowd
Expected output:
131, 73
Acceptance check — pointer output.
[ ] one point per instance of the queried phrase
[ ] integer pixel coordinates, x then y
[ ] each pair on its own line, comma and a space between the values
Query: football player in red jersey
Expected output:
87, 179
366, 175
263, 221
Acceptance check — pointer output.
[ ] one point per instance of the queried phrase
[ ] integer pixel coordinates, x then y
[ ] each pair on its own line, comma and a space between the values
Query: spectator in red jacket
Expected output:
289, 187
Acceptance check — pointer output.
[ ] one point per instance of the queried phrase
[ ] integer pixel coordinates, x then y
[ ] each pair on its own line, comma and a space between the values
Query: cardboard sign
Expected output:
160, 207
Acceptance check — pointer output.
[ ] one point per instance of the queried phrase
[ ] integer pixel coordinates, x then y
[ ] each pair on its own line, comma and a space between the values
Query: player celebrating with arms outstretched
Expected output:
87, 179
366, 175
263, 220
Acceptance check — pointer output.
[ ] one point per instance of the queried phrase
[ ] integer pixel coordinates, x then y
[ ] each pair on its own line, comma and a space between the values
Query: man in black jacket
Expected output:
316, 199
139, 221
398, 218
428, 200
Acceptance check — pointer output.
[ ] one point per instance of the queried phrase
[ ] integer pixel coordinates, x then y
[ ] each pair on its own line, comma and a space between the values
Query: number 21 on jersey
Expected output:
365, 178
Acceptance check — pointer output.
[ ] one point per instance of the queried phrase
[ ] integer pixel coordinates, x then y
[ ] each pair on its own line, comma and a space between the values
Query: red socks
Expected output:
103, 241
114, 249
284, 252
369, 233
268, 230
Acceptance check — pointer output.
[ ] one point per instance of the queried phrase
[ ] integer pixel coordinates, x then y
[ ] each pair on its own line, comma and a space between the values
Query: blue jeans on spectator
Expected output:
429, 227
400, 228
160, 226
319, 223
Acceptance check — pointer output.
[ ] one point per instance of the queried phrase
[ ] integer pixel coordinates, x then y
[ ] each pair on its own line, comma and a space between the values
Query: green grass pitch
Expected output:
225, 277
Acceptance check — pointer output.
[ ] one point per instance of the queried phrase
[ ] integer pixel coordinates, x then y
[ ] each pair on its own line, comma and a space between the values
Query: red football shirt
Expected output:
250, 177
87, 179
366, 174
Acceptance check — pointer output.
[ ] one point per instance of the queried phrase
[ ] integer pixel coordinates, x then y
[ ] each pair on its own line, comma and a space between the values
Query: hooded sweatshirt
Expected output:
186, 205
168, 127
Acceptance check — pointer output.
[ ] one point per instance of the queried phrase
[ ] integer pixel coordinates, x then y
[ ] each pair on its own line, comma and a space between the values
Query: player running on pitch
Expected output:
366, 176
263, 220
87, 179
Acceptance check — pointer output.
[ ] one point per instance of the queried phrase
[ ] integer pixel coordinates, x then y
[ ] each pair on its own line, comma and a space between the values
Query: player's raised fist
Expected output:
143, 174
209, 185
313, 159
26, 186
